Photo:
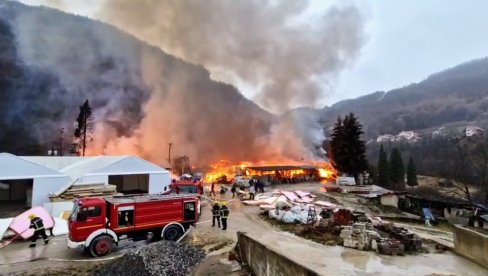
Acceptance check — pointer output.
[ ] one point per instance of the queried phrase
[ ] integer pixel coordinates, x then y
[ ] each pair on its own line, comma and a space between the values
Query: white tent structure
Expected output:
21, 180
130, 174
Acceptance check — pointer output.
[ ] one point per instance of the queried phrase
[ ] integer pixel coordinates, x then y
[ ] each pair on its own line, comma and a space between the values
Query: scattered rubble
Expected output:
410, 241
361, 236
161, 258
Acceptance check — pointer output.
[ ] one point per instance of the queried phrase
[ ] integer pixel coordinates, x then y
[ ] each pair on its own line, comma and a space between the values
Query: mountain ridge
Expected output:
457, 94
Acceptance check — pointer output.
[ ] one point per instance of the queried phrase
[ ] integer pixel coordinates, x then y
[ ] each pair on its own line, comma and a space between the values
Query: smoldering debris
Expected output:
156, 259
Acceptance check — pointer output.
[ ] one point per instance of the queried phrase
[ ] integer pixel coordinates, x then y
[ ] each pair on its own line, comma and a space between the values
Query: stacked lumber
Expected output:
80, 191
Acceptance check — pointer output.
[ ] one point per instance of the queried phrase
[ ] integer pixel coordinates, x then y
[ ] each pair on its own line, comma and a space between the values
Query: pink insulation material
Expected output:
324, 204
307, 199
302, 193
22, 222
267, 207
290, 195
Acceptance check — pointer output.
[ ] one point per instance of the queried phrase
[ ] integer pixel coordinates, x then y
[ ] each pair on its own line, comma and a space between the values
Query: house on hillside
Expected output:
440, 132
386, 138
473, 131
31, 179
409, 136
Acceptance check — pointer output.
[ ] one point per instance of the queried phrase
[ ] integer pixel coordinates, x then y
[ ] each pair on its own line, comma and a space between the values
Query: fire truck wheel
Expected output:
101, 245
172, 233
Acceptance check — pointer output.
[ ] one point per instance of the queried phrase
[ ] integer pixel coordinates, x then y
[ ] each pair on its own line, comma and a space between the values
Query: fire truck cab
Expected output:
97, 224
186, 187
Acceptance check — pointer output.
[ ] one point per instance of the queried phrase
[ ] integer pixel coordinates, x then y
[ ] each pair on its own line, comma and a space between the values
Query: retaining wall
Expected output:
471, 244
263, 260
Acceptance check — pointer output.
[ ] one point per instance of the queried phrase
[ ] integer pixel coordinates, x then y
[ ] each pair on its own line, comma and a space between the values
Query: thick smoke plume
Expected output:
253, 40
145, 99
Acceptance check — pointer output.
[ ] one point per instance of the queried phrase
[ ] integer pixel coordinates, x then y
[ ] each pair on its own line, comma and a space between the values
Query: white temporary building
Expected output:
21, 180
55, 173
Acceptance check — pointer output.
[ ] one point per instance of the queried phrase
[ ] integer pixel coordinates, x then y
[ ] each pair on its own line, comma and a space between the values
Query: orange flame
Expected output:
225, 169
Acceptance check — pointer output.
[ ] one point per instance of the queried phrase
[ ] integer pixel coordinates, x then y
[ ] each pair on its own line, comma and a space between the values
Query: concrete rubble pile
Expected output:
161, 258
410, 241
363, 236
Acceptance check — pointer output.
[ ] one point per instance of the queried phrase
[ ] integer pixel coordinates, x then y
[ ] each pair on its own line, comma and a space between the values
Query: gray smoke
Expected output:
144, 99
263, 43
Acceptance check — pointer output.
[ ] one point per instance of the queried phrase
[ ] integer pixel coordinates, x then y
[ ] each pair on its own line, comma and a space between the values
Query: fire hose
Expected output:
96, 260
85, 260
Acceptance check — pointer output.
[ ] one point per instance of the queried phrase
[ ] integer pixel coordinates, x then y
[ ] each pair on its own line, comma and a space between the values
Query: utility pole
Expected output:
61, 130
169, 153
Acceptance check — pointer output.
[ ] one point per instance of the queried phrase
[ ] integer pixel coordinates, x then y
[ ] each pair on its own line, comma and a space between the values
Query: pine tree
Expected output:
336, 153
347, 148
383, 170
411, 173
397, 169
84, 125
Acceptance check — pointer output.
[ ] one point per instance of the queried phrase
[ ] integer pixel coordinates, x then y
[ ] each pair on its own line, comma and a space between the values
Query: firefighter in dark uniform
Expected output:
38, 226
216, 214
224, 213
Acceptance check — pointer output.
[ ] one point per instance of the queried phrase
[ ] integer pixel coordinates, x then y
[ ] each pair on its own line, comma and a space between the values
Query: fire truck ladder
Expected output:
312, 215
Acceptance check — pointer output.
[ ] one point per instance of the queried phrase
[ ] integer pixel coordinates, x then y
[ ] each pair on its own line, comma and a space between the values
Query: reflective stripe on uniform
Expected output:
36, 225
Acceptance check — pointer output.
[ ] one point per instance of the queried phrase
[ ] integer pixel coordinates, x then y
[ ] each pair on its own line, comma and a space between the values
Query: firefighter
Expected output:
212, 190
38, 226
252, 191
216, 214
224, 213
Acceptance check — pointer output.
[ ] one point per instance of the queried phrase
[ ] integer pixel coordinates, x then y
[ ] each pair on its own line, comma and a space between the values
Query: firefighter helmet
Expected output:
31, 216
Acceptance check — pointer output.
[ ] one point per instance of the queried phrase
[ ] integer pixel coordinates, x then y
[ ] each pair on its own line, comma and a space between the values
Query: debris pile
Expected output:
161, 258
291, 207
77, 191
410, 241
361, 236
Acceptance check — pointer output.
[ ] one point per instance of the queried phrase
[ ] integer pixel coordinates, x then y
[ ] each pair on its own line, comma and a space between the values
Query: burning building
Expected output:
272, 172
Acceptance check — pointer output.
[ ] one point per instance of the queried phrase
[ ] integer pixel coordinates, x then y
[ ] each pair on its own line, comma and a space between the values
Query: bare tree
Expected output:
470, 168
84, 125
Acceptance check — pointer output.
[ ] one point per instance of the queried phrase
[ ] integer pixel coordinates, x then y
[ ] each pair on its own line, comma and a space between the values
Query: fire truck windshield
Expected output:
188, 189
74, 212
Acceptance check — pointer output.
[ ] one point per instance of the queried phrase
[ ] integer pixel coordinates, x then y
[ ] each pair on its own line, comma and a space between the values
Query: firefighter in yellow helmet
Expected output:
224, 213
38, 226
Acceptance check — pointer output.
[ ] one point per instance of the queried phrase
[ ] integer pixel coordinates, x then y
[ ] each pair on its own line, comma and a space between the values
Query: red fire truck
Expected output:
97, 224
186, 186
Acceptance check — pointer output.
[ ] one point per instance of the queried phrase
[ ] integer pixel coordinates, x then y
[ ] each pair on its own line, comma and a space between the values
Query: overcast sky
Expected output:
407, 40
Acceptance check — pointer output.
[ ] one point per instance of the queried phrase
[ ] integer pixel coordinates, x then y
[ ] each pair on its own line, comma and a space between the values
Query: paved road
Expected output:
335, 260
327, 260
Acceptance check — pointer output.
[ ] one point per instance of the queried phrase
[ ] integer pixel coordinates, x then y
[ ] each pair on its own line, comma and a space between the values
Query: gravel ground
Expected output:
156, 259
